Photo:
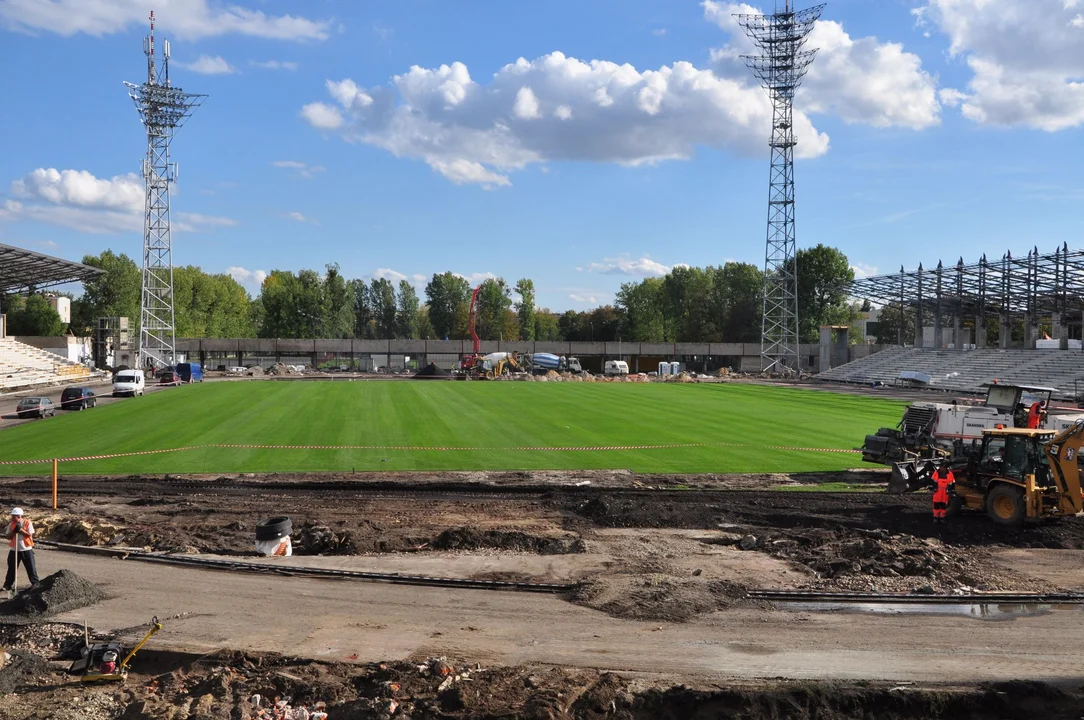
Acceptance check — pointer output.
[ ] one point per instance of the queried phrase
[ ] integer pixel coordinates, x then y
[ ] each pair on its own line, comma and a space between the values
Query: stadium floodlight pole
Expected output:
780, 69
163, 109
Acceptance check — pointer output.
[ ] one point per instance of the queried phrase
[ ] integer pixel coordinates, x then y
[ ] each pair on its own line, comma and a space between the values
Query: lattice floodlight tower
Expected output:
780, 69
163, 109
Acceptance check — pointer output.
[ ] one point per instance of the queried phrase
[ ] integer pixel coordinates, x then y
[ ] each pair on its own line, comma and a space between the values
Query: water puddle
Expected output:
979, 611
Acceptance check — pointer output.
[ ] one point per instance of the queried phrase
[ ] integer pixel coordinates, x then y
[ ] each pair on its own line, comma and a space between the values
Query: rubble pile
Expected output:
315, 539
255, 371
51, 641
857, 559
282, 369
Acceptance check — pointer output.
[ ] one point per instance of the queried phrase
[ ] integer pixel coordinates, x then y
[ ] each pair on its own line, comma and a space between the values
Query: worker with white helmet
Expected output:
20, 536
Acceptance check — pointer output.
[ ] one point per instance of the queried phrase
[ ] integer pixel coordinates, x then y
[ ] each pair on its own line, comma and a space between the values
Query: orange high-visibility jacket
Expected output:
28, 540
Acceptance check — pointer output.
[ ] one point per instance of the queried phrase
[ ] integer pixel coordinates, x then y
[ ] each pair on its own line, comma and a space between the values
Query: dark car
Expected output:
168, 376
77, 398
35, 407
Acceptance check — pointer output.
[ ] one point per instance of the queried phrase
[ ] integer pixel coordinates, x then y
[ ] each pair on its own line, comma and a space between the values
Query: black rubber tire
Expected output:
273, 528
1000, 496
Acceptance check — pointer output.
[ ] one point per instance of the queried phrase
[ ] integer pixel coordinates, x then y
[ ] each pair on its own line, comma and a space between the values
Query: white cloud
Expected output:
1026, 58
273, 65
348, 94
322, 116
190, 19
303, 169
641, 267
78, 200
207, 65
583, 299
250, 279
476, 279
658, 32
295, 215
554, 108
80, 188
395, 277
462, 171
526, 107
862, 270
195, 222
859, 80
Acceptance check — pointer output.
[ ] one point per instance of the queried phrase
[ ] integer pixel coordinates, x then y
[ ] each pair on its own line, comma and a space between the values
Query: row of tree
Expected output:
689, 304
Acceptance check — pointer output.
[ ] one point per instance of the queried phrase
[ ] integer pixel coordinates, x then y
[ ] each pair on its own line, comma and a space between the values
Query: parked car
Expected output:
128, 382
77, 398
35, 407
168, 376
190, 372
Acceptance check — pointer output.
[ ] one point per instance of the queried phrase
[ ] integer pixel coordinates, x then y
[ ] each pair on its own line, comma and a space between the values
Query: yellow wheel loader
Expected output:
1017, 475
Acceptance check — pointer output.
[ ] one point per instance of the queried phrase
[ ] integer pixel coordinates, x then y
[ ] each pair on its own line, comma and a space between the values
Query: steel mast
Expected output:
163, 109
780, 69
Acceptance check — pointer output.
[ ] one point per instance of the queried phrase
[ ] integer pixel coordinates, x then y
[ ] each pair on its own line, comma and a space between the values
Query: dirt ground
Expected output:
230, 685
659, 547
640, 548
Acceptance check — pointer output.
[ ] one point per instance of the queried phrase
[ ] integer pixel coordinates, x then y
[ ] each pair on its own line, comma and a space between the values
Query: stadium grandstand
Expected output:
1033, 305
23, 366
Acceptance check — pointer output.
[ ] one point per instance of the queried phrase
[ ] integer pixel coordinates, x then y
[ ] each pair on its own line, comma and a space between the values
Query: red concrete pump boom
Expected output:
474, 335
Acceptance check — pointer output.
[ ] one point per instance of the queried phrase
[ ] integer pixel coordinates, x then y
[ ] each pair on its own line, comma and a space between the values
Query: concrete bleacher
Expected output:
966, 371
24, 367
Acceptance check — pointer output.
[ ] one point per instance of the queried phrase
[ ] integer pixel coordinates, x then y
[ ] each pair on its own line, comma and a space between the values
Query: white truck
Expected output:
616, 367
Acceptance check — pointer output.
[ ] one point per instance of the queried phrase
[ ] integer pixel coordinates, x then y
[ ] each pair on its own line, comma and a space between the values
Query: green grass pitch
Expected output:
723, 428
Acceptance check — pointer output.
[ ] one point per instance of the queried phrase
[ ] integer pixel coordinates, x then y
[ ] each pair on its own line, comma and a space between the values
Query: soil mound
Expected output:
472, 538
431, 371
22, 668
60, 592
658, 597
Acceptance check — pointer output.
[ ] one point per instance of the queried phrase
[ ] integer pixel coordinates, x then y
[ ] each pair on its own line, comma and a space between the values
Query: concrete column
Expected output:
1005, 338
1031, 334
826, 348
1060, 331
980, 332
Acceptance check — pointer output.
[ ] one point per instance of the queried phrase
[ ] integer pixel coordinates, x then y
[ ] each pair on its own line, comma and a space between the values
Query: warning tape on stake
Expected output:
418, 448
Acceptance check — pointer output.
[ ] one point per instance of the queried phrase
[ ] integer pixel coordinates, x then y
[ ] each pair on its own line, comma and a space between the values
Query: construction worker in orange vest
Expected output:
1035, 415
20, 535
946, 486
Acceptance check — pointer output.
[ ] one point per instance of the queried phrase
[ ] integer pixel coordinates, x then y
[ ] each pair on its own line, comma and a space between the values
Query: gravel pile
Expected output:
60, 592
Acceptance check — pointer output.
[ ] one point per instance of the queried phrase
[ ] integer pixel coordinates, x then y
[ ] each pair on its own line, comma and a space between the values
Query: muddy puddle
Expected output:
978, 611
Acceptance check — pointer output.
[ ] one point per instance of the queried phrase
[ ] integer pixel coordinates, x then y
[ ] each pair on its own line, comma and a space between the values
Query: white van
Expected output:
616, 367
128, 382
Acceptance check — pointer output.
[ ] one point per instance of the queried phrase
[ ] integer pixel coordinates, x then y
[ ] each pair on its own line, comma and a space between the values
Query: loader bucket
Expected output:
910, 476
898, 483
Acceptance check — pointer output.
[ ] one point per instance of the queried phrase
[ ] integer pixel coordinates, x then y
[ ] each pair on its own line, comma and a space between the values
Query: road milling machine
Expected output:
933, 431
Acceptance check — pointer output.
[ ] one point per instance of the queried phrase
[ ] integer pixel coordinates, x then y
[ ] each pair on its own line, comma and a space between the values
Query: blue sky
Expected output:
405, 138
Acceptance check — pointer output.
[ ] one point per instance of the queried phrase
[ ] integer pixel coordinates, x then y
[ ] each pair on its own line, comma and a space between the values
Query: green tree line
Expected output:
689, 304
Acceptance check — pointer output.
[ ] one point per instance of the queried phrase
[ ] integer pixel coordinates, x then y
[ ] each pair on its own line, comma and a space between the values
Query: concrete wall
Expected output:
384, 353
